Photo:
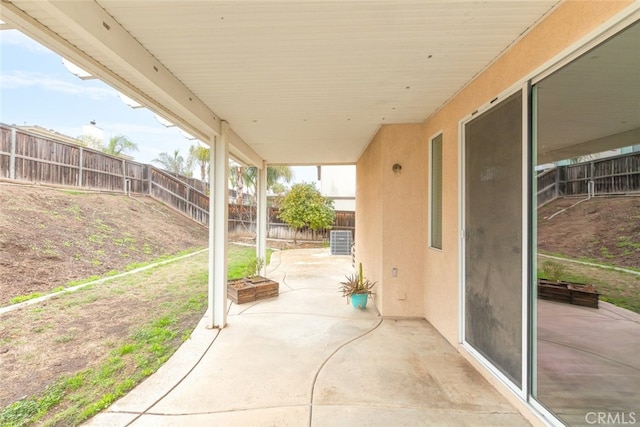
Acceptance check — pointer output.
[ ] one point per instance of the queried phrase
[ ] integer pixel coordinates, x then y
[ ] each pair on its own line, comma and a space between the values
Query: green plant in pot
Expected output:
357, 289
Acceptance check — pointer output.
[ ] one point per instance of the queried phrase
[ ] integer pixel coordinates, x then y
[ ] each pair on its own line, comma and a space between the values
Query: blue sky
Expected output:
37, 89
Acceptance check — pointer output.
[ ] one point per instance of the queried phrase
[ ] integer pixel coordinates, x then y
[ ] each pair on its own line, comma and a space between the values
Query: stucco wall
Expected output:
395, 239
369, 212
392, 229
404, 221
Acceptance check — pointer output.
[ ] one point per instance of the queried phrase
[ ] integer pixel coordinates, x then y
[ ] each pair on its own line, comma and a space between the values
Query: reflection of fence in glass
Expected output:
29, 157
613, 175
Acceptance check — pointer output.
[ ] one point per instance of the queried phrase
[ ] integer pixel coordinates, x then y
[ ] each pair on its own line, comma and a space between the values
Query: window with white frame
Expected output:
435, 226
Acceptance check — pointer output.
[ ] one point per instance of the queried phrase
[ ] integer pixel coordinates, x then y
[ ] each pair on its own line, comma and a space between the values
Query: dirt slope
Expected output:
606, 229
49, 237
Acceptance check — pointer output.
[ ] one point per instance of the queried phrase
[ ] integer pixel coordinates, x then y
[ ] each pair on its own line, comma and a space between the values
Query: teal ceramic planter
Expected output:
359, 301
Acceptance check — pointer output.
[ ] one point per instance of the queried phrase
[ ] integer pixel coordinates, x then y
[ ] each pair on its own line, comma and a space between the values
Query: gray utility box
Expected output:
340, 241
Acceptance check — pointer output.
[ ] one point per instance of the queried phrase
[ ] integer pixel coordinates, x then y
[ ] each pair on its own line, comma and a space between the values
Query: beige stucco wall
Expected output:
391, 209
369, 210
395, 239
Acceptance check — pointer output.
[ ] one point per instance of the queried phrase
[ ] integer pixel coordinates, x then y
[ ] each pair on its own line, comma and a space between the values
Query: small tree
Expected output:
173, 163
242, 177
304, 206
119, 144
199, 156
91, 142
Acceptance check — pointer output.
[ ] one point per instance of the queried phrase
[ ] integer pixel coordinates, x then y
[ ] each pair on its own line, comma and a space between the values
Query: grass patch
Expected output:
82, 281
178, 304
616, 287
127, 268
598, 262
21, 298
245, 259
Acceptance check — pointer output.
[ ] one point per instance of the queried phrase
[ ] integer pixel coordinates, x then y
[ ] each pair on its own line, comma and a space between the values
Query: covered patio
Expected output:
446, 108
306, 358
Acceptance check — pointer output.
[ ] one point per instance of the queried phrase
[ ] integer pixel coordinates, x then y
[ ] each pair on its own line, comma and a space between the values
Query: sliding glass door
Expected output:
493, 239
586, 314
550, 250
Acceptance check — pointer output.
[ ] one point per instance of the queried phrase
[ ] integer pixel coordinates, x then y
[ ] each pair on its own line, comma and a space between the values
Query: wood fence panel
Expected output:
575, 179
100, 171
548, 186
619, 174
199, 206
175, 193
201, 186
137, 174
41, 160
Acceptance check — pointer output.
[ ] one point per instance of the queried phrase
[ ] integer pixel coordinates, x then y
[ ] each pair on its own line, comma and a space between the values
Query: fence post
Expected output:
124, 176
189, 204
149, 183
80, 164
12, 155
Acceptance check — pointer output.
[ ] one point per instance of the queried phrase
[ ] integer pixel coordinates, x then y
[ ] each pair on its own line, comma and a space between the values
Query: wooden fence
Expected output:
172, 191
547, 186
29, 157
612, 175
26, 156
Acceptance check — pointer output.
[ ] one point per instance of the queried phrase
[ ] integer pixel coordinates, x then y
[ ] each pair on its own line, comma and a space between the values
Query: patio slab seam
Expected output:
225, 411
591, 353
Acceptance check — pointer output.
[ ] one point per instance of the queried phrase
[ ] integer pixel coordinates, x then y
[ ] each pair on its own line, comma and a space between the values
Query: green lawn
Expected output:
616, 287
165, 303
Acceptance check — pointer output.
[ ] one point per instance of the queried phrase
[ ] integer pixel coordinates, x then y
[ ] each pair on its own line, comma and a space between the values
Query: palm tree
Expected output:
173, 163
199, 155
118, 144
237, 175
242, 177
276, 174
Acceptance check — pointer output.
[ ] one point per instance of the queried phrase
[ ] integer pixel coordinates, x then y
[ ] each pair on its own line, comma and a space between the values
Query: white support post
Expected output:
211, 261
261, 215
218, 225
221, 195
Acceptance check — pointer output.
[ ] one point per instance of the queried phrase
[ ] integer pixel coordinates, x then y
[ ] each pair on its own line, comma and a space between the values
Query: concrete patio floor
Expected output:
588, 361
306, 358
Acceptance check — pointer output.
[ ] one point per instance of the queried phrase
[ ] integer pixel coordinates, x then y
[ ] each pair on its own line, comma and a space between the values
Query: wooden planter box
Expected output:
570, 293
251, 289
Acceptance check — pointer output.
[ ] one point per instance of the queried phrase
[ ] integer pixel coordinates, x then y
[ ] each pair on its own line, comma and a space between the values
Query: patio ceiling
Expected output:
298, 82
593, 103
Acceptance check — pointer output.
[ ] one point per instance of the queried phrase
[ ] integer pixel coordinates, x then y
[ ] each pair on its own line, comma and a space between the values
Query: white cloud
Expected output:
16, 38
72, 131
46, 82
128, 128
151, 139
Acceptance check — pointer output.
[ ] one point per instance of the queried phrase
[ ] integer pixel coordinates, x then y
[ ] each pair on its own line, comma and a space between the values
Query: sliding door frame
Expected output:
591, 40
525, 161
597, 36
